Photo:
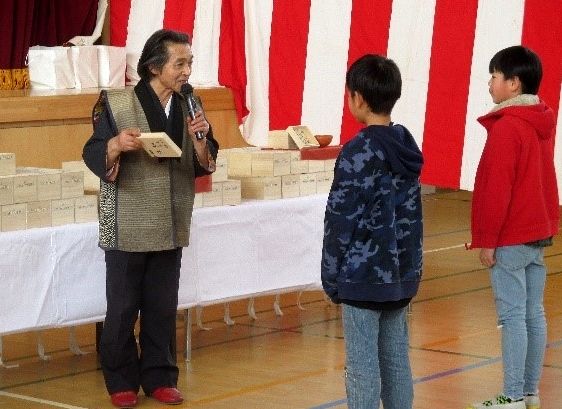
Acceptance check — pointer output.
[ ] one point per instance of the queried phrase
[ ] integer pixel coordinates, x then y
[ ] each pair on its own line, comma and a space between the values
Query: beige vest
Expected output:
149, 206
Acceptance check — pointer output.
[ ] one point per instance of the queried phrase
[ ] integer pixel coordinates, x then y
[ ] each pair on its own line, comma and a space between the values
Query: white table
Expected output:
55, 277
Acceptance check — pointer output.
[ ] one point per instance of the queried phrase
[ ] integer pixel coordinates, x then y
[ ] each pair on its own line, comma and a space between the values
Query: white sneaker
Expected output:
532, 402
499, 402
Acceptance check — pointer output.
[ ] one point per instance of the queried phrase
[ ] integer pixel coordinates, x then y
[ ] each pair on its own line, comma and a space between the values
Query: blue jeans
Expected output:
377, 362
518, 280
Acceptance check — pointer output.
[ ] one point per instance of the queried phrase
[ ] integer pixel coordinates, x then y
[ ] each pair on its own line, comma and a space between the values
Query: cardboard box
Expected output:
62, 212
25, 188
268, 187
271, 163
7, 164
72, 184
231, 193
324, 181
86, 209
214, 197
308, 184
14, 217
290, 186
6, 190
91, 181
39, 214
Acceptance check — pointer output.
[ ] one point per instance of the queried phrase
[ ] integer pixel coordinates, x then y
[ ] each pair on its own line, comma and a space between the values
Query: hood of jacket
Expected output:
527, 108
400, 149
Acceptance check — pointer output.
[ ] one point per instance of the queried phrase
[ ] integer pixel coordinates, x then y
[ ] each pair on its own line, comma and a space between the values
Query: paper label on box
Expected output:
86, 209
7, 164
290, 186
231, 192
14, 217
62, 212
25, 188
72, 184
39, 214
6, 190
48, 186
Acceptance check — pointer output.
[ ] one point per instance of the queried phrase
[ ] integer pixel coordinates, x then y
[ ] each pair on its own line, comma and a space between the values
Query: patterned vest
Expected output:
149, 206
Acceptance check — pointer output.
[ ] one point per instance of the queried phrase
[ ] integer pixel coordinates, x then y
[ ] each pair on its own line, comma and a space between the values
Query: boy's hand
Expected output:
488, 257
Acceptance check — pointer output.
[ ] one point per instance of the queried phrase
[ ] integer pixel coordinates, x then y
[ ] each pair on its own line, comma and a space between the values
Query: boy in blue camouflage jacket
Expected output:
372, 251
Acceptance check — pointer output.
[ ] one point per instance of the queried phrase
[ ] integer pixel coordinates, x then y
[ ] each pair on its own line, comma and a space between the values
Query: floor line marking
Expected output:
37, 400
444, 248
441, 374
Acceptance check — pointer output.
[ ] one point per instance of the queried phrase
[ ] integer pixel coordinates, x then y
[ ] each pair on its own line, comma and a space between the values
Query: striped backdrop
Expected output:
285, 61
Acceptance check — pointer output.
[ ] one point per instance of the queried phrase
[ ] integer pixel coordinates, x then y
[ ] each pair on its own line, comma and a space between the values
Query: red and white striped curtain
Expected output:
285, 61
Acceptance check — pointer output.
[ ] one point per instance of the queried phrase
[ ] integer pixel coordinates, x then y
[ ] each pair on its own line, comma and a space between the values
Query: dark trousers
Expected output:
141, 285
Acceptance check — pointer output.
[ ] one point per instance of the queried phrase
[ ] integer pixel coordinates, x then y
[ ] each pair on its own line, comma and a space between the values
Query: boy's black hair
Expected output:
521, 62
155, 51
378, 81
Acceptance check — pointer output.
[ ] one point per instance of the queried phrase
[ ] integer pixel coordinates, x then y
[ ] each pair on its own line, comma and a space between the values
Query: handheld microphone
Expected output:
187, 92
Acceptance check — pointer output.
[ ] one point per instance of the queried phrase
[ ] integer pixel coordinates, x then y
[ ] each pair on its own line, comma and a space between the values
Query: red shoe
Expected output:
167, 395
125, 399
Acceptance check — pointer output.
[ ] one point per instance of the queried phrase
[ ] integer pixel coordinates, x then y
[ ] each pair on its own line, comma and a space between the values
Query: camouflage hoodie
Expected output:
373, 227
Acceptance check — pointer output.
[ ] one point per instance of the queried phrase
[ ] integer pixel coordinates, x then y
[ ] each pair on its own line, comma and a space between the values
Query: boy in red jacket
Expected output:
515, 214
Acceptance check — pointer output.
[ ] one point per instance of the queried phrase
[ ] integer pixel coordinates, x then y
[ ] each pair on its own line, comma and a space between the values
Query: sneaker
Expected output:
532, 402
499, 402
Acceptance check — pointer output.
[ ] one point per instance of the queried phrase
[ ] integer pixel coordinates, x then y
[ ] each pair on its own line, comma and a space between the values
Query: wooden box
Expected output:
14, 217
324, 181
329, 165
48, 182
239, 162
221, 173
302, 136
214, 197
315, 166
308, 184
91, 181
6, 190
25, 188
72, 184
280, 140
290, 186
39, 214
86, 209
62, 212
231, 193
7, 164
298, 166
271, 163
261, 187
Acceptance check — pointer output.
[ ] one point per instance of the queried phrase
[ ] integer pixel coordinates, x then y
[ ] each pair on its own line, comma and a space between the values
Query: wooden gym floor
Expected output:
296, 360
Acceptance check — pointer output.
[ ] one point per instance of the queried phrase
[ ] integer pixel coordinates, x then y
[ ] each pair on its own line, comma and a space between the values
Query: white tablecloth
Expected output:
53, 277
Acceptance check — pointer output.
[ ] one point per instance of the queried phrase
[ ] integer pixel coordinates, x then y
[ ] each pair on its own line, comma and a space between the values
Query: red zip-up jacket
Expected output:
515, 197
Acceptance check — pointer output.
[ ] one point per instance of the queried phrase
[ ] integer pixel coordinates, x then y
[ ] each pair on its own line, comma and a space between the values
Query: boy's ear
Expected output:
515, 84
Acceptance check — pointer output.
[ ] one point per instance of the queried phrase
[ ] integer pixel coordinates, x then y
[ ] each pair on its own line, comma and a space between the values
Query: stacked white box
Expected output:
290, 186
86, 209
7, 164
39, 214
